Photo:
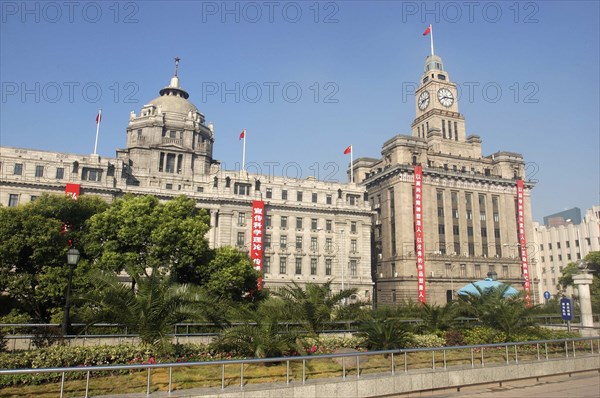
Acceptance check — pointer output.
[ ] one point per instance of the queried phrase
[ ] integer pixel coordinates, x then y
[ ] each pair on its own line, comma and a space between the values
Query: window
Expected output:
394, 270
455, 213
168, 186
313, 266
313, 243
482, 216
298, 222
282, 265
469, 231
18, 170
454, 198
298, 243
298, 265
483, 232
39, 171
576, 242
241, 189
353, 246
328, 244
283, 241
455, 230
497, 233
477, 271
328, 225
267, 241
60, 173
267, 265
568, 244
284, 194
550, 246
299, 196
505, 271
13, 200
241, 219
328, 266
283, 222
558, 245
353, 227
353, 268
441, 229
170, 164
568, 256
328, 199
469, 214
34, 198
268, 221
496, 217
313, 224
314, 197
241, 238
228, 182
463, 270
560, 257
440, 212
89, 174
588, 241
269, 193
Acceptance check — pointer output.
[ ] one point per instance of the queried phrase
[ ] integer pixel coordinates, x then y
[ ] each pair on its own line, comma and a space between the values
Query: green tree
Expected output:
385, 334
33, 243
151, 309
138, 233
313, 305
437, 317
593, 266
232, 275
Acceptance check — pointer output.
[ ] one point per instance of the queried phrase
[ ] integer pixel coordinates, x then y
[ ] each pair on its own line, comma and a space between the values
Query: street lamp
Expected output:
72, 260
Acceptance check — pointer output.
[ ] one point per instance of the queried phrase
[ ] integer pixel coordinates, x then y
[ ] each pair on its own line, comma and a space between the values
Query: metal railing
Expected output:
510, 354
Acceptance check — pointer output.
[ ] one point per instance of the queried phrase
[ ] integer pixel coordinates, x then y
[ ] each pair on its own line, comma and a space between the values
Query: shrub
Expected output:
483, 335
426, 341
454, 338
388, 334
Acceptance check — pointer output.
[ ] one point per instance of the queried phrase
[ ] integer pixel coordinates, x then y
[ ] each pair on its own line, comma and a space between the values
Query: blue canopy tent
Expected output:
484, 285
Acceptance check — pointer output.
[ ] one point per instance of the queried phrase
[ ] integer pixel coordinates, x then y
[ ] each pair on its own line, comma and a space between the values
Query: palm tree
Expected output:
152, 309
436, 317
312, 305
386, 334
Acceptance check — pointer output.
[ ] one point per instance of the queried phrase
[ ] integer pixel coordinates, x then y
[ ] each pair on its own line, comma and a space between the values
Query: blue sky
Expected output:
307, 79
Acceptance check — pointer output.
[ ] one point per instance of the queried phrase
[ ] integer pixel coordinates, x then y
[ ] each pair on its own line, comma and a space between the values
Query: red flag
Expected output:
98, 117
427, 31
243, 134
348, 150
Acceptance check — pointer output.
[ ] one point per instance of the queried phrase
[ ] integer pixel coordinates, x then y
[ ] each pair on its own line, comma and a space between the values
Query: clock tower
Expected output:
437, 115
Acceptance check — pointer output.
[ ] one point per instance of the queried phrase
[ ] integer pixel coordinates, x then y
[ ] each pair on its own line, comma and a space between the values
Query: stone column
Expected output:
583, 282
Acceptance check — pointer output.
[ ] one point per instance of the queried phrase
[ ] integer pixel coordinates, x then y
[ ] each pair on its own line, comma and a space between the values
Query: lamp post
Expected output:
583, 280
72, 260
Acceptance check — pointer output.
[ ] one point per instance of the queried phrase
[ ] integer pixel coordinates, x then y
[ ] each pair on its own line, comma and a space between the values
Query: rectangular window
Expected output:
454, 198
469, 214
299, 196
469, 231
283, 241
284, 194
568, 244
241, 219
353, 266
241, 189
482, 216
298, 265
313, 244
558, 245
568, 256
550, 246
483, 232
283, 222
298, 243
39, 171
269, 193
477, 271
328, 244
353, 227
18, 170
268, 221
13, 200
440, 212
353, 246
60, 173
496, 217
455, 230
170, 166
560, 257
267, 265
441, 229
328, 199
298, 222
313, 224
328, 224
267, 241
313, 266
314, 197
89, 174
241, 238
282, 265
328, 266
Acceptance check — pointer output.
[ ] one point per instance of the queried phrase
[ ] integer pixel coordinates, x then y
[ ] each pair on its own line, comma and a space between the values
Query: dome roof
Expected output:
174, 104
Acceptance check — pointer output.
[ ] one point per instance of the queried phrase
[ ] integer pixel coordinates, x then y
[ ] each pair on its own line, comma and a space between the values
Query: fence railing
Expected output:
389, 360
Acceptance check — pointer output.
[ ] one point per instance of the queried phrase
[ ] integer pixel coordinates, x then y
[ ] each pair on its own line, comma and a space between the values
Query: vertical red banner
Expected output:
73, 190
523, 241
419, 246
256, 247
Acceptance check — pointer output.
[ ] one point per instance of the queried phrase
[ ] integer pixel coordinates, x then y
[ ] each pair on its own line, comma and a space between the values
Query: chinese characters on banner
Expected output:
256, 248
72, 190
419, 247
523, 241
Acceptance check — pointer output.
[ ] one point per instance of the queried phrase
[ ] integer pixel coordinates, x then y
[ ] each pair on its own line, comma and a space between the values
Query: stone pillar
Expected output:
583, 282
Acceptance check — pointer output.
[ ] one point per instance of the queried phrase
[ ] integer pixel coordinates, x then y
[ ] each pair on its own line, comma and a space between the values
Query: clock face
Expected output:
445, 97
424, 100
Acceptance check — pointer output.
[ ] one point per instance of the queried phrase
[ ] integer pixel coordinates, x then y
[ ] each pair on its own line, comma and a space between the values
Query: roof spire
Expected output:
177, 59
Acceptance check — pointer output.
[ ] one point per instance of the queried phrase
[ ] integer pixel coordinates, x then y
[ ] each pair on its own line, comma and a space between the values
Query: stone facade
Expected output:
315, 231
469, 202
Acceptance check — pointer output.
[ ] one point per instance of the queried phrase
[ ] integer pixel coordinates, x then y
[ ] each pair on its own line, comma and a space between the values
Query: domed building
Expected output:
313, 231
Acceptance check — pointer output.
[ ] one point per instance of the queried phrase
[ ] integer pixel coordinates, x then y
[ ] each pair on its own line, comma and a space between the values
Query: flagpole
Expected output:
97, 129
244, 152
431, 37
351, 165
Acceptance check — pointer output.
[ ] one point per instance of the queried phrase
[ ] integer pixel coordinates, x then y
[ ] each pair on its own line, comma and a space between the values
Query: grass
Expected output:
318, 368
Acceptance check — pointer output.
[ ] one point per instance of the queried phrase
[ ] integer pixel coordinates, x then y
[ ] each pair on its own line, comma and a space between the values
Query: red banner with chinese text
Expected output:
73, 190
419, 246
523, 240
256, 244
